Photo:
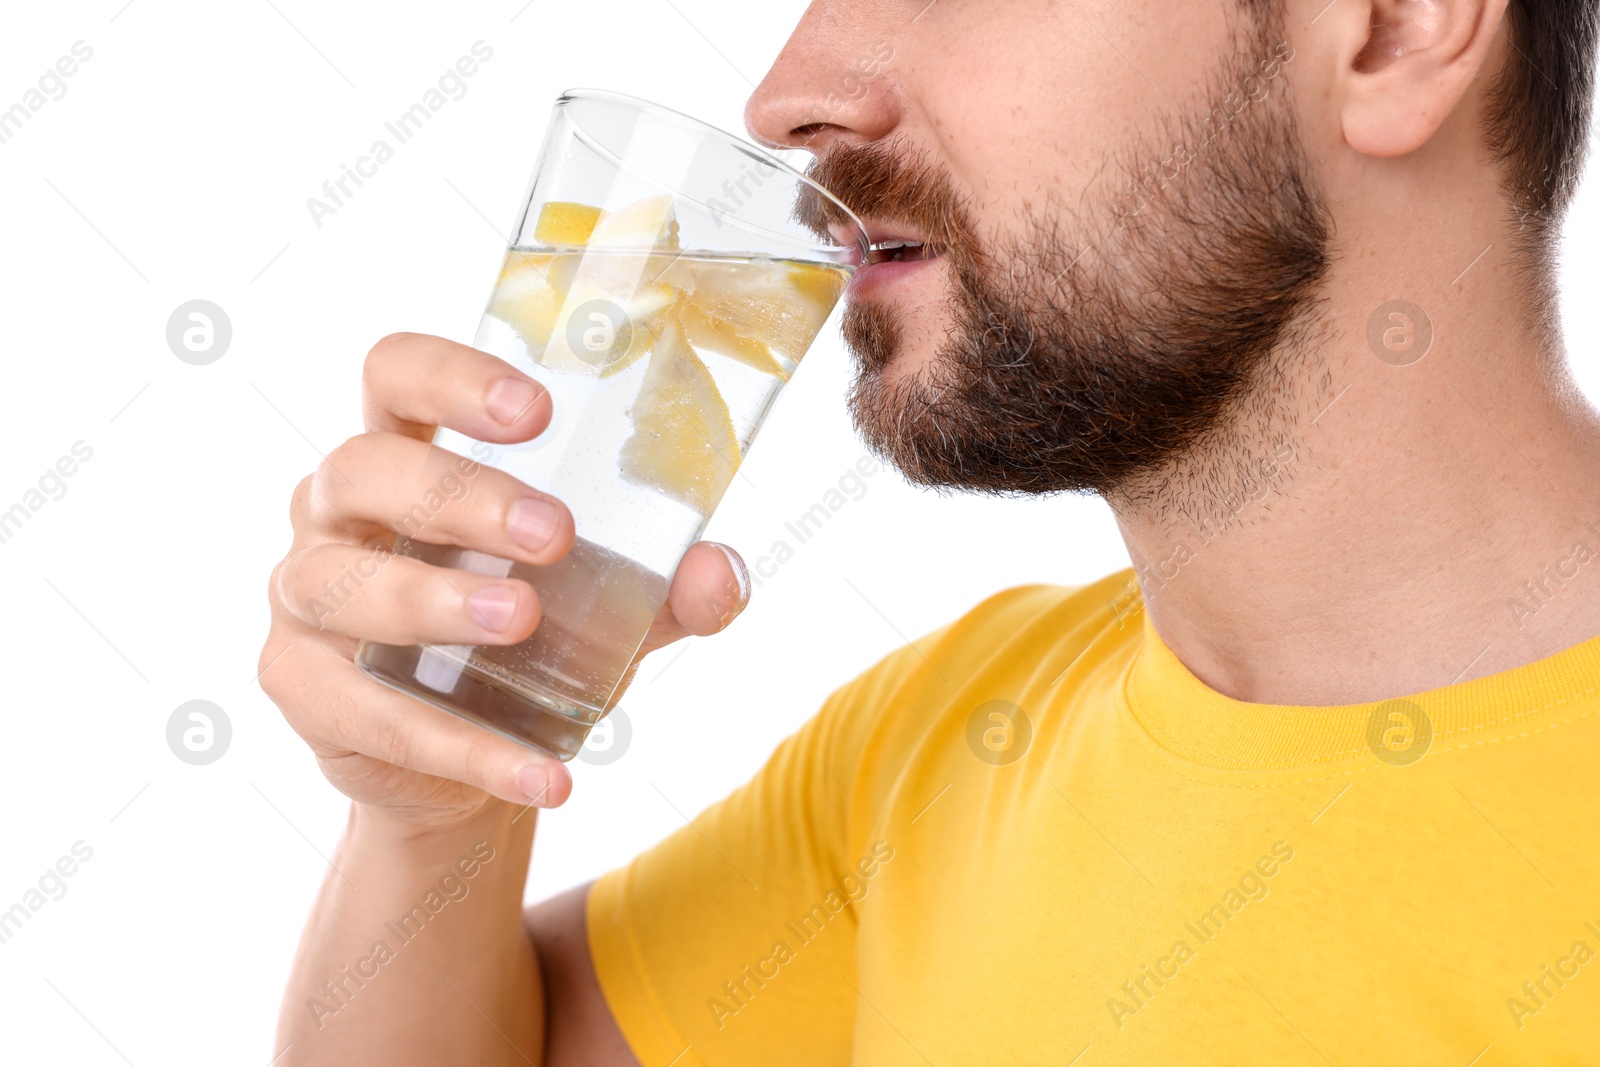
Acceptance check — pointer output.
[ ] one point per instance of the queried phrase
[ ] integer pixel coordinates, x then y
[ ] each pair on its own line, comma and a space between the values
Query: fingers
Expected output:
342, 714
428, 494
378, 595
413, 382
709, 590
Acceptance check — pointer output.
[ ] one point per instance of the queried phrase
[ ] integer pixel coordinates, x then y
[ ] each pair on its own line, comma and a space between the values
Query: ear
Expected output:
1407, 64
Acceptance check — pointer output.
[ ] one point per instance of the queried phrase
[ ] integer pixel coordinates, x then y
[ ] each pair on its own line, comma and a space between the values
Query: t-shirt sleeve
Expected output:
732, 942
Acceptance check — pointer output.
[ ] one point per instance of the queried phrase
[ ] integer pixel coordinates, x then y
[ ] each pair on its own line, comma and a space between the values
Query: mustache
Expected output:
887, 182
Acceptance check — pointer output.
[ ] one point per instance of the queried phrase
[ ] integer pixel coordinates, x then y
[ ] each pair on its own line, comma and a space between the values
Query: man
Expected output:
1311, 784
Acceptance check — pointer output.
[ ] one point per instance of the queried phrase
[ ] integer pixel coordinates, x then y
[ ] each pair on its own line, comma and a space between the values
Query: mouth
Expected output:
889, 243
900, 250
896, 253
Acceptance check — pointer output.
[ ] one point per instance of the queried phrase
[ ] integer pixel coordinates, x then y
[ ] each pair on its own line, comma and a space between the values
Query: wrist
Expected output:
433, 840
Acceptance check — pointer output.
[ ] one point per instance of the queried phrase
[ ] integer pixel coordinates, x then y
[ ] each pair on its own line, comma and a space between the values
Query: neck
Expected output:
1362, 530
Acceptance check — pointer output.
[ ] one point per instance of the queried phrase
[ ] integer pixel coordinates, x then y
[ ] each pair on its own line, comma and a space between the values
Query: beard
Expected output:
1143, 346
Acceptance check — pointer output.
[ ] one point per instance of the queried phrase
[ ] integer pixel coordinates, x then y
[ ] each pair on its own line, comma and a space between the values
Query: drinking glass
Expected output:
663, 283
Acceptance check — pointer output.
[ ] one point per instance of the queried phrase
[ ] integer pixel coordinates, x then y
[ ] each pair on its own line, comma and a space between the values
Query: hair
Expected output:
1539, 108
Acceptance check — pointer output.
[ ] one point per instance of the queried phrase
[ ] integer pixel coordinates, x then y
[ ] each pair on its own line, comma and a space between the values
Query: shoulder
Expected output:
915, 702
1006, 631
1005, 635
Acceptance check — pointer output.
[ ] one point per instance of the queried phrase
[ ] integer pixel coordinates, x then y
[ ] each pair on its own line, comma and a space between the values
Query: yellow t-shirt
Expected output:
1034, 837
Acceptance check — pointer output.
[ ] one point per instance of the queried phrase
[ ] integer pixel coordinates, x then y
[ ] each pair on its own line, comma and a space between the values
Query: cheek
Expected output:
1018, 125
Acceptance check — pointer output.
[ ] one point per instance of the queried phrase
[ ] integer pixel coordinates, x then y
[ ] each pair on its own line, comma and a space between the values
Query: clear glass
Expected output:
661, 285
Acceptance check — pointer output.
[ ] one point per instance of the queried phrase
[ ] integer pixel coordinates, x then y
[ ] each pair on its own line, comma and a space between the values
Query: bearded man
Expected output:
1311, 782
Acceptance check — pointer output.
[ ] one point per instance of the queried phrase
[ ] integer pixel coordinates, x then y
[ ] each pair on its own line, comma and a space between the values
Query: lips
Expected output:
897, 253
890, 243
899, 250
896, 243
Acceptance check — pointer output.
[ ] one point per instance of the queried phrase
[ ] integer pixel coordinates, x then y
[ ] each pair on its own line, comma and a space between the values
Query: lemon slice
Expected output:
611, 308
590, 314
562, 222
705, 333
683, 442
781, 305
525, 299
650, 223
820, 287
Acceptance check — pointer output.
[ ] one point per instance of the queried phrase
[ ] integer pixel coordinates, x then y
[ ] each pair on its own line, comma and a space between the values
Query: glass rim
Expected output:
690, 123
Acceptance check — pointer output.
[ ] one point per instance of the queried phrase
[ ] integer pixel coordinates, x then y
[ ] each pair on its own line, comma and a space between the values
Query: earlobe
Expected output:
1412, 62
1391, 126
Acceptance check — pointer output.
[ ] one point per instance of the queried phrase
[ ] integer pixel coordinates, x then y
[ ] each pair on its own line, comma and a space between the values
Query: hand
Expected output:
381, 748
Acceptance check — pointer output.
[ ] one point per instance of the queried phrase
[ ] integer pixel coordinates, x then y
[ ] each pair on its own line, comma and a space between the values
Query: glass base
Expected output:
531, 715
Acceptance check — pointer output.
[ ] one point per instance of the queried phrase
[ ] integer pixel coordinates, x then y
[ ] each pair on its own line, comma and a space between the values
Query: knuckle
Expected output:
417, 593
490, 506
381, 356
332, 491
300, 501
263, 661
396, 741
275, 584
290, 574
275, 669
346, 454
313, 589
314, 697
275, 691
478, 760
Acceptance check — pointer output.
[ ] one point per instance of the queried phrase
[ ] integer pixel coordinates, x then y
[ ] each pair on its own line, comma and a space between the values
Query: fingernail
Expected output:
534, 781
511, 398
493, 607
533, 522
740, 574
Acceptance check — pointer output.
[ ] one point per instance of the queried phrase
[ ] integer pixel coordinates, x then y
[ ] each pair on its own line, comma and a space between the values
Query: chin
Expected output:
891, 343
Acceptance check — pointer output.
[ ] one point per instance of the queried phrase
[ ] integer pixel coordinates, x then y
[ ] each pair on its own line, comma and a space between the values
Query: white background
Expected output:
177, 166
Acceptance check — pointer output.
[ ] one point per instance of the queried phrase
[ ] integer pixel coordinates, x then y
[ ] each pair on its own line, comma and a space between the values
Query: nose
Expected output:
833, 81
